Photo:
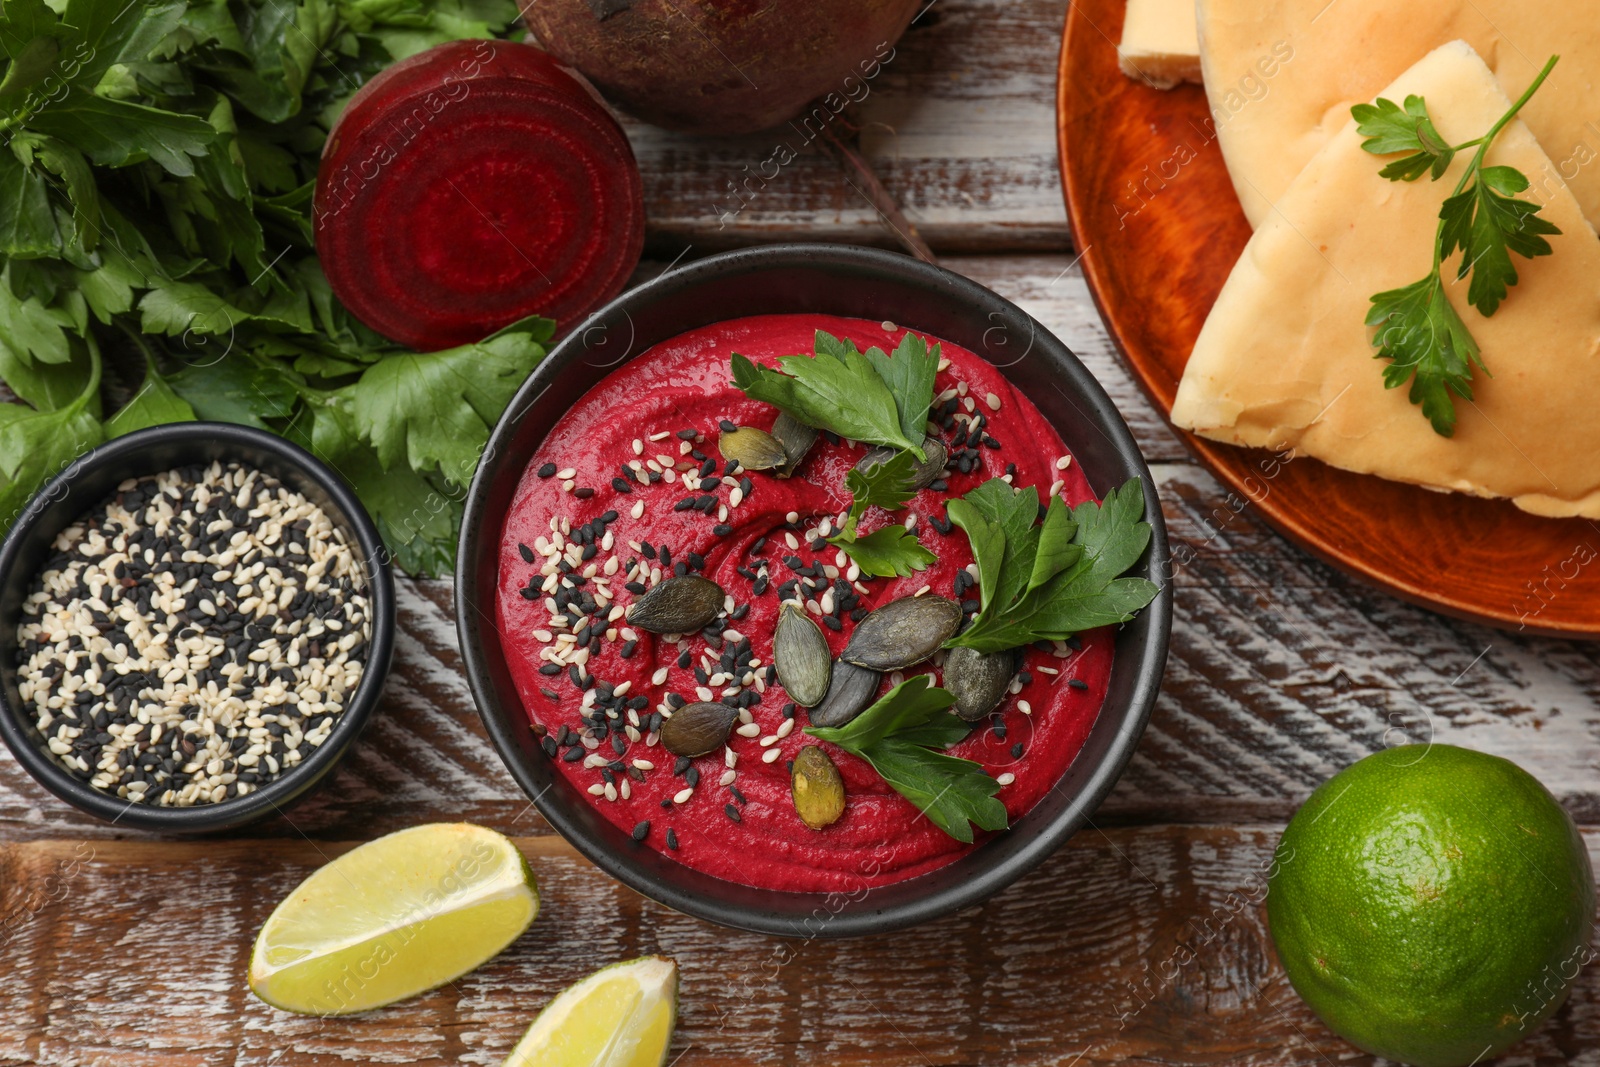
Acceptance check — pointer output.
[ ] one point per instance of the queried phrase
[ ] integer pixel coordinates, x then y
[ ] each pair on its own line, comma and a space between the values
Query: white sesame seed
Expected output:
730, 757
682, 796
1063, 463
565, 473
749, 729
1006, 778
638, 509
771, 755
1056, 487
659, 677
993, 401
644, 765
597, 790
1025, 707
728, 778
792, 517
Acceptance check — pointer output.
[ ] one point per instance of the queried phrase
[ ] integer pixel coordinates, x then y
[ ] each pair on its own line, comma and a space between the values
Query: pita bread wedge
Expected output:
1159, 43
1281, 75
1285, 361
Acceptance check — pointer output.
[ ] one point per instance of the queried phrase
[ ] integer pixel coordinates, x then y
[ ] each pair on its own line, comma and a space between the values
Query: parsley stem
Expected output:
1483, 143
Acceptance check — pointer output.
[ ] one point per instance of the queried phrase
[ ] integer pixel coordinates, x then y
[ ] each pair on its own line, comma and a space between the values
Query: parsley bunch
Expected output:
1418, 331
1047, 581
904, 736
156, 181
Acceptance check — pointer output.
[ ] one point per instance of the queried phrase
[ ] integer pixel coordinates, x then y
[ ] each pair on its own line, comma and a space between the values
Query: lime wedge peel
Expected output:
620, 1016
393, 918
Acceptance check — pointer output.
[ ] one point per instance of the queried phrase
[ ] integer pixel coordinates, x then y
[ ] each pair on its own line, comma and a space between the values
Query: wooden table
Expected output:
123, 949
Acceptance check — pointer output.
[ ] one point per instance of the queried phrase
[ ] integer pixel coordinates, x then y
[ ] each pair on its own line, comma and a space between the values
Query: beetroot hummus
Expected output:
629, 488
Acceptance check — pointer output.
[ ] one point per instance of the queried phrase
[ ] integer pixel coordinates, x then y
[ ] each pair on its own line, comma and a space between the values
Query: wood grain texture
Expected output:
1159, 227
1086, 961
958, 124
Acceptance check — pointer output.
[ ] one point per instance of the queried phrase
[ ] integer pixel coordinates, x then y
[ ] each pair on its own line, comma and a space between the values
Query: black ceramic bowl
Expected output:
842, 281
86, 482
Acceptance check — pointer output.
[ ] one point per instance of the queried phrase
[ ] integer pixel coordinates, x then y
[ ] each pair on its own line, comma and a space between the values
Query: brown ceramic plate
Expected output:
1159, 228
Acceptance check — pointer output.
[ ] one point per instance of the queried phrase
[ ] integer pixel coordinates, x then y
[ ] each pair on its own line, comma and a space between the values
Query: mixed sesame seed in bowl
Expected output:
195, 622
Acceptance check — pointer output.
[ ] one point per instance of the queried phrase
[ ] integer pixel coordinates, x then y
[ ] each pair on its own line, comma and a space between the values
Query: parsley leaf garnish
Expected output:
1417, 330
893, 551
1049, 581
865, 396
904, 736
1389, 128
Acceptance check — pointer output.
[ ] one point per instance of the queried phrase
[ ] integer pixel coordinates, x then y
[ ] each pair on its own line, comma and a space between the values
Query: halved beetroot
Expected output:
473, 185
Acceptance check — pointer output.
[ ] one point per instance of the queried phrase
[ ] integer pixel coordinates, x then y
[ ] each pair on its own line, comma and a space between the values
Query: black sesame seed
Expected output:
641, 831
732, 812
1077, 683
672, 839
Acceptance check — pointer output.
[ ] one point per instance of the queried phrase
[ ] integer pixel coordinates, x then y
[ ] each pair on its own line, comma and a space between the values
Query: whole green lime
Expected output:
1432, 904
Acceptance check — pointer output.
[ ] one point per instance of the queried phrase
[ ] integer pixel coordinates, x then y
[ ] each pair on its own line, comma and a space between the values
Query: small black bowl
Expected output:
90, 479
838, 280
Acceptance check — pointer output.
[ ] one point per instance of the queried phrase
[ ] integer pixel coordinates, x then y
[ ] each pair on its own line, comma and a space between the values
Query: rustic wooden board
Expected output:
122, 949
1083, 962
963, 137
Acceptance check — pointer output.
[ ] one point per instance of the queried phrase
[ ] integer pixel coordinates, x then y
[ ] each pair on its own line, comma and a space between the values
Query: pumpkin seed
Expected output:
800, 653
796, 438
903, 633
923, 474
679, 605
850, 692
818, 788
978, 680
698, 729
752, 449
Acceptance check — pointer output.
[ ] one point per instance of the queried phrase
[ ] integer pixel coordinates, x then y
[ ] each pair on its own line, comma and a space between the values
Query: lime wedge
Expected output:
393, 918
620, 1016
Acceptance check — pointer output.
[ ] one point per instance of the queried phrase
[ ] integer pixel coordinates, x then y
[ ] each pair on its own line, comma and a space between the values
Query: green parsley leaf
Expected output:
236, 387
903, 736
418, 516
434, 410
155, 404
36, 445
1427, 345
837, 390
1416, 329
1388, 129
886, 485
1487, 223
1047, 582
909, 374
890, 552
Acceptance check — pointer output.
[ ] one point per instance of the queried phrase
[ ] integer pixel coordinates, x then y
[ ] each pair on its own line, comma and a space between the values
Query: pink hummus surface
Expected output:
684, 384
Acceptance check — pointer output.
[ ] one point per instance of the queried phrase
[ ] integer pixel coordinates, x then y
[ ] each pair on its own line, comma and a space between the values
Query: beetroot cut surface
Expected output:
471, 186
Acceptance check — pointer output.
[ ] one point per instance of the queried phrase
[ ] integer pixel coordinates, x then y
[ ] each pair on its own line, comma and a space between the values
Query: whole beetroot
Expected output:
722, 66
